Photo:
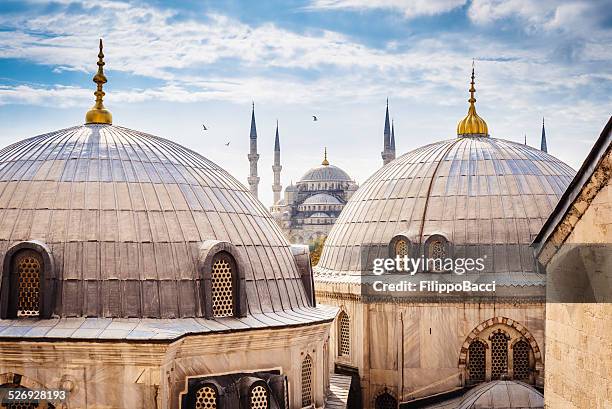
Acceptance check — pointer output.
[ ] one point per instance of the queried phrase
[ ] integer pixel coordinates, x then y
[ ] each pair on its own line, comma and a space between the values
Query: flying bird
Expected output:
227, 144
205, 128
314, 118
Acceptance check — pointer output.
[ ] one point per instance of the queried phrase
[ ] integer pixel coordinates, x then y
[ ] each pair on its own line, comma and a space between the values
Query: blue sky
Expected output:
175, 65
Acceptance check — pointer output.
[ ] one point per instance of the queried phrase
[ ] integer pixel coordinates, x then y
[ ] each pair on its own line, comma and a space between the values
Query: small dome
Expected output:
502, 395
321, 198
324, 173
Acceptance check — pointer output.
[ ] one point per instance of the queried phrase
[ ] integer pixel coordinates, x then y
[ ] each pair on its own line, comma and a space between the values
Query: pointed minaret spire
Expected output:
387, 154
325, 161
253, 156
543, 146
525, 139
276, 168
393, 137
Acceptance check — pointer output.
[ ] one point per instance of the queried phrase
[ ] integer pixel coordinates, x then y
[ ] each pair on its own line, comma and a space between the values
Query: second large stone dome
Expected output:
482, 195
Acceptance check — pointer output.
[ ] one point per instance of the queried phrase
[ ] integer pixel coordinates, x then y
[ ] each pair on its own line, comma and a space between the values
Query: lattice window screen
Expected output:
437, 249
206, 398
344, 336
222, 287
307, 381
28, 266
401, 248
477, 361
259, 397
499, 355
386, 401
520, 360
22, 405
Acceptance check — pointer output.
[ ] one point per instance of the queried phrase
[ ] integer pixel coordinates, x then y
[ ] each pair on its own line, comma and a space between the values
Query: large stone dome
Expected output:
485, 196
125, 214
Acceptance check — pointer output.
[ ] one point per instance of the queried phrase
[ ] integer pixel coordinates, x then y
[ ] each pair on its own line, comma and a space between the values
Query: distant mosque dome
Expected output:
324, 173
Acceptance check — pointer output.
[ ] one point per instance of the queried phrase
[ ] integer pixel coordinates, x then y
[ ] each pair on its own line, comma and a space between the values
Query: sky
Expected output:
173, 66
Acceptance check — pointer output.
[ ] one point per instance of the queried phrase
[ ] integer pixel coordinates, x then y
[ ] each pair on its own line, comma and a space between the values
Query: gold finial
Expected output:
325, 161
98, 114
472, 124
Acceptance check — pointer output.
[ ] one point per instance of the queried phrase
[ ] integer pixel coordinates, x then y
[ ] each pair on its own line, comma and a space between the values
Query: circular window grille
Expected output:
206, 398
307, 381
28, 267
222, 287
520, 360
386, 401
259, 397
476, 363
344, 335
499, 355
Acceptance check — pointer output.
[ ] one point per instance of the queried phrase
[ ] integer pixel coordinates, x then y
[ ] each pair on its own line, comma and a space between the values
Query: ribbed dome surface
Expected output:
325, 173
124, 214
502, 395
486, 196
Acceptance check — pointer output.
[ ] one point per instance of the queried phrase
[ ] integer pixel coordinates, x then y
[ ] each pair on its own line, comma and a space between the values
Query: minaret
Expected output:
253, 156
543, 146
387, 154
393, 138
276, 168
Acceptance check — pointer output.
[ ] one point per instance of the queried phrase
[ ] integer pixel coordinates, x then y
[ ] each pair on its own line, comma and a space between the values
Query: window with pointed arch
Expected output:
477, 361
344, 334
223, 285
385, 401
206, 397
307, 382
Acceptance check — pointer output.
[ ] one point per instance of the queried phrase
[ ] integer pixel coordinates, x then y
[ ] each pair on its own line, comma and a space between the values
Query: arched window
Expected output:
26, 271
401, 247
386, 401
307, 382
520, 360
477, 361
499, 355
206, 398
223, 285
259, 397
436, 250
344, 334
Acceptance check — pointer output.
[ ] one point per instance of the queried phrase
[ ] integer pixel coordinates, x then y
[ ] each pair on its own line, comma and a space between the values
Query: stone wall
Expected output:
579, 335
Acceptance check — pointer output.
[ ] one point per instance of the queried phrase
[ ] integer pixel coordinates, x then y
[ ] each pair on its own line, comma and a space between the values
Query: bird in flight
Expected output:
205, 128
227, 144
314, 118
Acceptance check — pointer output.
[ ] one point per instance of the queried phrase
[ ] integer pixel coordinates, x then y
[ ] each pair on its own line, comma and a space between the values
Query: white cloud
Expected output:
409, 8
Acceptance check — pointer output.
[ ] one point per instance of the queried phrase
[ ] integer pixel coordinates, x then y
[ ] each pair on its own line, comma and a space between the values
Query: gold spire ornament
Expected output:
472, 124
98, 114
325, 161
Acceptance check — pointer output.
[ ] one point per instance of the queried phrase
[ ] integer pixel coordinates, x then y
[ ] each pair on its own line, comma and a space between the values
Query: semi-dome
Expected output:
482, 195
322, 198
